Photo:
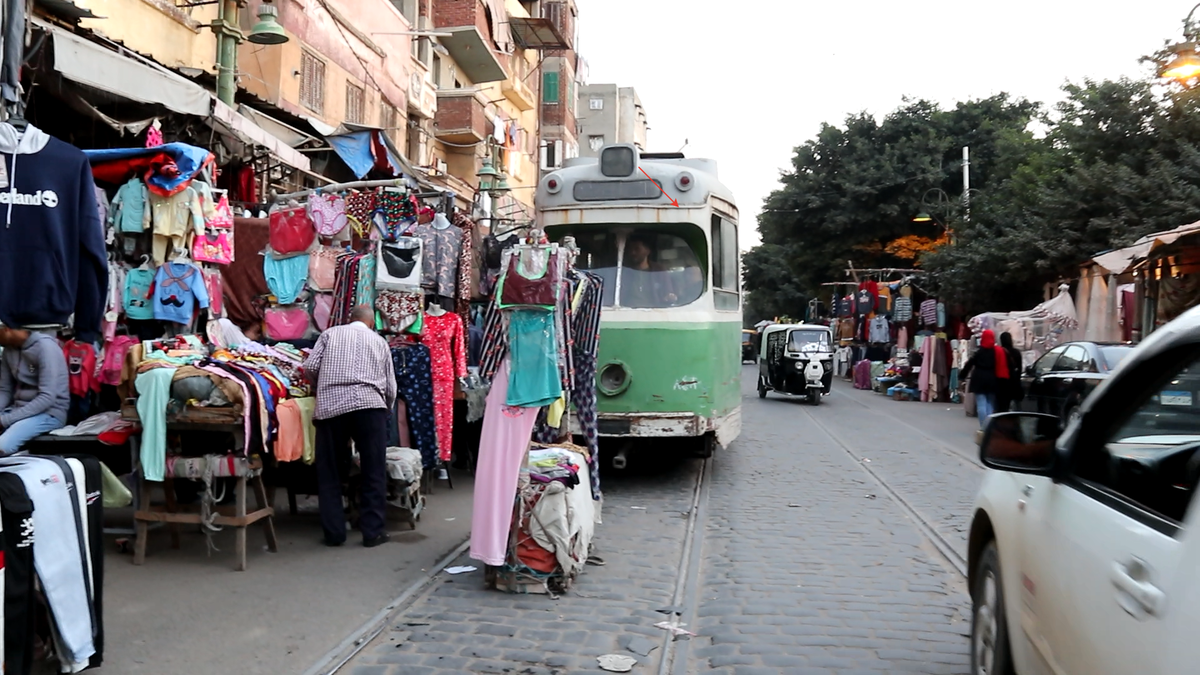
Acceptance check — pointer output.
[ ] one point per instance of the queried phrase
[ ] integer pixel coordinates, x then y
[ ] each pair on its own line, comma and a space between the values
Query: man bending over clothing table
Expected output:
356, 387
33, 387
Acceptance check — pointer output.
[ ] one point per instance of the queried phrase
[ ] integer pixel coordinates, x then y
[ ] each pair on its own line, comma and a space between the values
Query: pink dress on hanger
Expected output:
503, 443
444, 336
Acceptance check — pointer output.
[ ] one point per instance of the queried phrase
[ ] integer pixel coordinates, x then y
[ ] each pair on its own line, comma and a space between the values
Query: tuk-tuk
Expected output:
749, 353
796, 359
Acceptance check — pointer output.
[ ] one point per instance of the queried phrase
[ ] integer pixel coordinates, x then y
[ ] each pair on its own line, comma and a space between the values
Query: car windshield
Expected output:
1170, 417
1114, 355
808, 341
659, 267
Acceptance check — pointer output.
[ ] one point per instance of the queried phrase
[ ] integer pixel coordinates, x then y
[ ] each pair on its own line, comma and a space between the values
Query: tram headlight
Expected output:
613, 378
685, 181
553, 184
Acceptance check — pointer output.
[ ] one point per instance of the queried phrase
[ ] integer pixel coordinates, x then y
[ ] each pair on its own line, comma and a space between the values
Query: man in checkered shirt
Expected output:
356, 387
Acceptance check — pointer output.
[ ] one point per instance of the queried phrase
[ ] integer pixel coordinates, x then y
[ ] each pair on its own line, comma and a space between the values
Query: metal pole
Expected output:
966, 166
228, 36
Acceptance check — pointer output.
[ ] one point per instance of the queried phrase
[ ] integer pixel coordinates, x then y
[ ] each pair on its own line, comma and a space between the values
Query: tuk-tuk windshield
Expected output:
808, 341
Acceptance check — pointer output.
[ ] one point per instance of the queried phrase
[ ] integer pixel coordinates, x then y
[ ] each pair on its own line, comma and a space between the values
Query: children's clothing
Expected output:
139, 284
178, 288
176, 219
131, 207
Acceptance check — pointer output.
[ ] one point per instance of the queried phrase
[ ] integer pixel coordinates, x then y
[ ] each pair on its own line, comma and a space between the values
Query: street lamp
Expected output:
266, 32
1185, 64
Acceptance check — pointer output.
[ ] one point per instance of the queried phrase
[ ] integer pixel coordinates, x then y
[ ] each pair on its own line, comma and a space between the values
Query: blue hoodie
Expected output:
52, 258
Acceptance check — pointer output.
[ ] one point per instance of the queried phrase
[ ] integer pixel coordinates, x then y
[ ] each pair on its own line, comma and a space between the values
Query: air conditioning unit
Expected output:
439, 166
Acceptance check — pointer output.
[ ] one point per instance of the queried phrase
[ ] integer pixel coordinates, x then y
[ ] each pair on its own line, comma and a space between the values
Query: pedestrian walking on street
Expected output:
988, 370
351, 366
1010, 393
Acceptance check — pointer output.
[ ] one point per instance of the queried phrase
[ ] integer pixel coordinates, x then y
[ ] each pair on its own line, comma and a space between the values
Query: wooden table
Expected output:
226, 420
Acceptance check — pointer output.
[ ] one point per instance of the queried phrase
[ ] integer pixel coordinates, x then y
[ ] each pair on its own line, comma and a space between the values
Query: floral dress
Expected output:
444, 336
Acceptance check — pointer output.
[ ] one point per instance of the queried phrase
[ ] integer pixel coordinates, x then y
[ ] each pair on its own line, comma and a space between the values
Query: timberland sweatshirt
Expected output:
52, 258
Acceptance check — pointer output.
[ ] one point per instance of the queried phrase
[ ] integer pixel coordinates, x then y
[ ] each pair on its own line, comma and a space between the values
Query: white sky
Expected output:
746, 82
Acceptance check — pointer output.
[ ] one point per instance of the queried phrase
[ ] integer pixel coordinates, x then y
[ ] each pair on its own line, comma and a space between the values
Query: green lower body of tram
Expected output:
669, 379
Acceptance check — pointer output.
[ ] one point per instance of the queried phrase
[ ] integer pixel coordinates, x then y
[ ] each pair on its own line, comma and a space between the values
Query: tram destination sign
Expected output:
603, 191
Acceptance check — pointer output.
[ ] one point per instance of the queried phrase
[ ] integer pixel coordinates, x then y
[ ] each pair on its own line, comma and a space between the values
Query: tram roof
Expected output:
633, 189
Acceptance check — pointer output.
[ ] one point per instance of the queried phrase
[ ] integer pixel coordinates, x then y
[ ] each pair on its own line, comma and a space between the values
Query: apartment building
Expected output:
609, 114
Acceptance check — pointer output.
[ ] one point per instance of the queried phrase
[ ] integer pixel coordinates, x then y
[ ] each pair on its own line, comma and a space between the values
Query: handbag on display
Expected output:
291, 231
223, 220
399, 265
214, 246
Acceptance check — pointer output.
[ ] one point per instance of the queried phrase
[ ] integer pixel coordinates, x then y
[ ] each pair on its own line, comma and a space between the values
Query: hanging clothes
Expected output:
442, 243
504, 441
176, 219
447, 345
178, 288
414, 384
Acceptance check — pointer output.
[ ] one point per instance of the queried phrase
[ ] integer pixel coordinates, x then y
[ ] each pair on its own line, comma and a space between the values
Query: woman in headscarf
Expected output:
1010, 392
988, 370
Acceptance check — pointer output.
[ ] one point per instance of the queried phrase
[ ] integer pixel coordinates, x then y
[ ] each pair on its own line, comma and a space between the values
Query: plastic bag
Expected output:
113, 492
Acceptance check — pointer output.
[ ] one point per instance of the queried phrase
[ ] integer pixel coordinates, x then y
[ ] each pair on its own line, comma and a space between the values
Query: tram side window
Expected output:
725, 263
659, 270
598, 255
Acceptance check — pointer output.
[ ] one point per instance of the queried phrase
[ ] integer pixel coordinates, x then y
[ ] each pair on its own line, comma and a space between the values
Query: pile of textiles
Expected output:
404, 464
262, 384
555, 520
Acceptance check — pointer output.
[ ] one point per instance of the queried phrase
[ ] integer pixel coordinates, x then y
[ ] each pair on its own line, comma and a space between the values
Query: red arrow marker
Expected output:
660, 188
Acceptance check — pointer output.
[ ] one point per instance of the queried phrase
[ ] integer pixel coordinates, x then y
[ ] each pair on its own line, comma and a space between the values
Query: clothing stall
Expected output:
536, 504
52, 278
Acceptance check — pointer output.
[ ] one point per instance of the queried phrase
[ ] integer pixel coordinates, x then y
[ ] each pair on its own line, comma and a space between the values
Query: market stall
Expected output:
536, 504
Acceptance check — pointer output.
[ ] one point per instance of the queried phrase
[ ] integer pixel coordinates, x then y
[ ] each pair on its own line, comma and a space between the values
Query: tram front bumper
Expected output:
648, 425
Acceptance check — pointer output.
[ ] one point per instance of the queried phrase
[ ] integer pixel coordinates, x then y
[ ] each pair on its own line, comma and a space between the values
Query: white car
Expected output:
1084, 551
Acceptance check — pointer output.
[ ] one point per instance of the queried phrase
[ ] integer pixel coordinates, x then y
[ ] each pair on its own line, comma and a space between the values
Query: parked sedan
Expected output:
1084, 543
1059, 381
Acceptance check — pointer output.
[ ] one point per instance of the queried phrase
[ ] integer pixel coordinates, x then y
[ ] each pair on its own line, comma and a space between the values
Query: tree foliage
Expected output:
1118, 159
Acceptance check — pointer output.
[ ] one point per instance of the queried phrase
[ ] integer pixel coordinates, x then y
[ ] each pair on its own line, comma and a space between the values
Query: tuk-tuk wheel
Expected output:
762, 390
814, 396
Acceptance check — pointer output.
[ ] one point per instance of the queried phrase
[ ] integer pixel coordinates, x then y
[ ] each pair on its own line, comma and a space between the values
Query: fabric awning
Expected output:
1122, 259
249, 132
88, 63
353, 144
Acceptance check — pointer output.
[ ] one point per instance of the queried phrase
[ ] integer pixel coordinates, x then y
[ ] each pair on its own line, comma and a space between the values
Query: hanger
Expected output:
16, 118
145, 264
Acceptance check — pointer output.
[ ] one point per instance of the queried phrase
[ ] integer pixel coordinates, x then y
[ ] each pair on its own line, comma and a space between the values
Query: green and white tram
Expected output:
668, 361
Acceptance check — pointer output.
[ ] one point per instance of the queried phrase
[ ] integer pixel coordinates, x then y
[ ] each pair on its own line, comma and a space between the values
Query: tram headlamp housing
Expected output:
684, 181
613, 379
618, 161
553, 184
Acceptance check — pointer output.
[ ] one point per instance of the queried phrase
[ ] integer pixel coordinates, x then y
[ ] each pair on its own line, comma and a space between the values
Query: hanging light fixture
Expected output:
500, 187
1186, 63
487, 174
267, 31
922, 217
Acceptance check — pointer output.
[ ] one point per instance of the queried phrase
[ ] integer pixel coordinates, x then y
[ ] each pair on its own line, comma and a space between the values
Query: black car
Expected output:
1059, 381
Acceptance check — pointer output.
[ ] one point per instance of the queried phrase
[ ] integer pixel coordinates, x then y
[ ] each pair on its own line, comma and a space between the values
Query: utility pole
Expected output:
228, 37
966, 197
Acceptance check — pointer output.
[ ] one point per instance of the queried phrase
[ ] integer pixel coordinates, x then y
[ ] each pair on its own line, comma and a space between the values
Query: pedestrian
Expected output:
1011, 393
352, 368
34, 389
986, 368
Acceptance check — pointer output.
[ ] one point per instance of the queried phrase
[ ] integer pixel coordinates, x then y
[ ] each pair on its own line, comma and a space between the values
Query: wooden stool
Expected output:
249, 474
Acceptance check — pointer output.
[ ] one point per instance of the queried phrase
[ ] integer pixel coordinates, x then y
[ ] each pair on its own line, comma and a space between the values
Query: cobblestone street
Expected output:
825, 540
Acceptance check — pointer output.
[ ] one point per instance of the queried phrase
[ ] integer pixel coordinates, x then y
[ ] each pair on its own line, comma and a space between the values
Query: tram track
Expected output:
923, 525
940, 445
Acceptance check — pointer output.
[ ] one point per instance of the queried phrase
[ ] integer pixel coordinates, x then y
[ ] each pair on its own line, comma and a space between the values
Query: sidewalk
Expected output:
186, 613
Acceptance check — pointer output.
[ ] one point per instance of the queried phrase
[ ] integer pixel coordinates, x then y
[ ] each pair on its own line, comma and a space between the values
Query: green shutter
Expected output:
550, 88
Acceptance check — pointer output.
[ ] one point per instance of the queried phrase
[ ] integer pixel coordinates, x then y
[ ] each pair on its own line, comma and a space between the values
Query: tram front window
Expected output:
658, 269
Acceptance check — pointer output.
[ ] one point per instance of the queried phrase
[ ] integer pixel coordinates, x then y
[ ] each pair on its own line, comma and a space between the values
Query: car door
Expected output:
1184, 649
1102, 547
1059, 382
1033, 379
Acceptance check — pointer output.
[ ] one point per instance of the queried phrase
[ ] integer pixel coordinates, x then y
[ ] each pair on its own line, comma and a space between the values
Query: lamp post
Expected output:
266, 32
1185, 62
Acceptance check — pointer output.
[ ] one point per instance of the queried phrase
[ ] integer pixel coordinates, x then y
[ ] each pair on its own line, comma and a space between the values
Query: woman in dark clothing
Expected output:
986, 368
1010, 392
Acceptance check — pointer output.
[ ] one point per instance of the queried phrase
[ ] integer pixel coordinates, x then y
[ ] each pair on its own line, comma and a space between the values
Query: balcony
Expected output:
471, 54
518, 93
460, 116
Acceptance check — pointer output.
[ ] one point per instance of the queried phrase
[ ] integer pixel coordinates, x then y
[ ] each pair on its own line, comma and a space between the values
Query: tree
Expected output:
1119, 161
852, 192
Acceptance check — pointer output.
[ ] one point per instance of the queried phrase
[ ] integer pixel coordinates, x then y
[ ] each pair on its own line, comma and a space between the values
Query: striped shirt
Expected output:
352, 368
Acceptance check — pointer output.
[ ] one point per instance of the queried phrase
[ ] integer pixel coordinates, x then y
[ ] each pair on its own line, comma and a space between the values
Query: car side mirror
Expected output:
1021, 442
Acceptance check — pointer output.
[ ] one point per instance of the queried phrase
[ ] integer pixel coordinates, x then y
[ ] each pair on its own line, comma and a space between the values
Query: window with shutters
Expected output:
550, 88
312, 82
387, 120
354, 103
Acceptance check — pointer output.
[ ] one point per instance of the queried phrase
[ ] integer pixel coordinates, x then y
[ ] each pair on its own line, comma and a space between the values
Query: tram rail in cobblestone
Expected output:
961, 456
926, 528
